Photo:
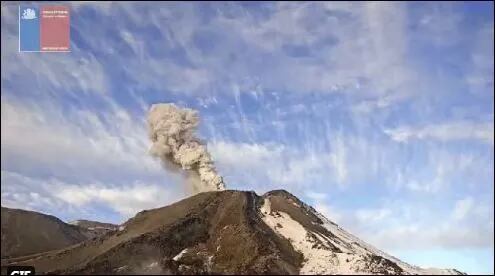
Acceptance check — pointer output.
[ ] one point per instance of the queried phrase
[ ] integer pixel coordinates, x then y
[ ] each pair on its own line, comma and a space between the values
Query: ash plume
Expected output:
172, 132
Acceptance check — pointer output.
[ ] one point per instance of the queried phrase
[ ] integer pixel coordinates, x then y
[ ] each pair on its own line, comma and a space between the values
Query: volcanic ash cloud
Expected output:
172, 132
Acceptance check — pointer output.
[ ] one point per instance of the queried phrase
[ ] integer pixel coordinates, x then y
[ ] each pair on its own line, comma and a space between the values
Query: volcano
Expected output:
224, 232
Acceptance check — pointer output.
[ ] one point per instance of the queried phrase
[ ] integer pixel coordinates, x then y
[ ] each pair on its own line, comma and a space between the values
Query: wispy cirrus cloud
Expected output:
124, 199
77, 143
297, 96
394, 226
449, 131
480, 77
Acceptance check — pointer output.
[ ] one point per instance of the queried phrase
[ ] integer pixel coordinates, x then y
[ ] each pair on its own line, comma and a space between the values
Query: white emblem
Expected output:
28, 14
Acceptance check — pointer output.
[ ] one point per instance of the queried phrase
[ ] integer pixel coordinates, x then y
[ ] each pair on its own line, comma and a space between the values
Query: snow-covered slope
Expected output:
327, 248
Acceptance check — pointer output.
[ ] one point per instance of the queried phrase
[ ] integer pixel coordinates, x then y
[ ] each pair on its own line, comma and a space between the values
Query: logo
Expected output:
44, 28
29, 14
20, 270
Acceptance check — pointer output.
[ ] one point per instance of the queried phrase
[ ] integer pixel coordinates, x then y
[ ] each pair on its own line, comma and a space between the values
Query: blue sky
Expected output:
380, 115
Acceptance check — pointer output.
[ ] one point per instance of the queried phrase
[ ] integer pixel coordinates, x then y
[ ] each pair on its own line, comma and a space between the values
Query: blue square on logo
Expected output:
29, 28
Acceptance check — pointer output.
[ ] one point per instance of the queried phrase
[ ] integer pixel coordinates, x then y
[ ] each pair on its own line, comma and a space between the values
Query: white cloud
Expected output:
408, 225
366, 106
338, 160
427, 187
53, 74
127, 200
257, 166
275, 165
439, 24
300, 170
459, 130
443, 235
245, 155
346, 45
319, 202
51, 195
480, 75
23, 192
372, 215
315, 195
462, 208
350, 162
79, 150
328, 211
77, 143
437, 169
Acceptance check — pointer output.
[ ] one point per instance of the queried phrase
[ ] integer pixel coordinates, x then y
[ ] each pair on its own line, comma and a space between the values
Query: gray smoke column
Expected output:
172, 132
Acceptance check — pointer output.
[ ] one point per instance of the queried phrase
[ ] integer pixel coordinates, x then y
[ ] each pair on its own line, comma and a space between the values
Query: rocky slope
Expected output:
93, 229
227, 232
27, 232
327, 248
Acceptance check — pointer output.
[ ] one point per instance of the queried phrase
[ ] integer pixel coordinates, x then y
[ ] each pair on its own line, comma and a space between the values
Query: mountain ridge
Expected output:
27, 232
224, 232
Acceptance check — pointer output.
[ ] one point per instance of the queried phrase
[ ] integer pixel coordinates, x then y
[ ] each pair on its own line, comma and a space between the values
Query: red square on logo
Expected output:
54, 28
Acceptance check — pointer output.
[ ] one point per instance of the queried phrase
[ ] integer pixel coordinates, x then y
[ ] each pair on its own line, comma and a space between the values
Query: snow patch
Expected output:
178, 256
153, 264
121, 268
316, 260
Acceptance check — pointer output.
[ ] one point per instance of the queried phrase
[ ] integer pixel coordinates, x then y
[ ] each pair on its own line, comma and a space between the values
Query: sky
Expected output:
380, 115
